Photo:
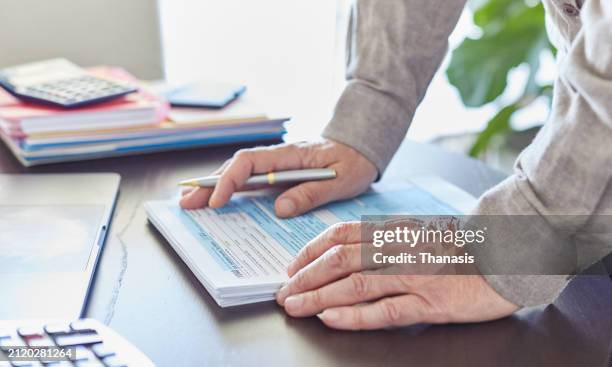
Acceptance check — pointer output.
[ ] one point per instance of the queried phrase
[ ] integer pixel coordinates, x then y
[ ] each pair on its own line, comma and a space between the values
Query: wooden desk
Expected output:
144, 291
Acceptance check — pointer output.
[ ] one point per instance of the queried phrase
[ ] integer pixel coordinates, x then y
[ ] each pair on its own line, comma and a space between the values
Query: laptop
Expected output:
52, 229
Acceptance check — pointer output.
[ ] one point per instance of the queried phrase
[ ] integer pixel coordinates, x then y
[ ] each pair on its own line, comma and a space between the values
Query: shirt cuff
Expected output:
370, 122
505, 247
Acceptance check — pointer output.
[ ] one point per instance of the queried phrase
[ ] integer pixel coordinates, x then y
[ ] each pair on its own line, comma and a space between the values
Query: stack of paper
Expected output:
240, 253
138, 123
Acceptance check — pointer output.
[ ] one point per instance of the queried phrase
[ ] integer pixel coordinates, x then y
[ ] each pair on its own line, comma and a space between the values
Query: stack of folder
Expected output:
137, 123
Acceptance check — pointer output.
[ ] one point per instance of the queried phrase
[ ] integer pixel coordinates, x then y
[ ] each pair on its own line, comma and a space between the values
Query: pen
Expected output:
272, 178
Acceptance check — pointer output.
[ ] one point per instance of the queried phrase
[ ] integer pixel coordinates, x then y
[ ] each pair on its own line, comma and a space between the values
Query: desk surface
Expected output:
144, 291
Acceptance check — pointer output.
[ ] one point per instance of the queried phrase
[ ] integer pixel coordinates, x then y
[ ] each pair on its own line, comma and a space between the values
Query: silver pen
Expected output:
272, 178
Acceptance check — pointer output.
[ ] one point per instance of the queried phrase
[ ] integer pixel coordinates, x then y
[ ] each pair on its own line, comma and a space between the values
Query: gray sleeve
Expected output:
394, 49
566, 171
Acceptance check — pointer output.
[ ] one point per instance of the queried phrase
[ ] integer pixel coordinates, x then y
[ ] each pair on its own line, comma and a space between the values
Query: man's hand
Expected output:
355, 174
326, 279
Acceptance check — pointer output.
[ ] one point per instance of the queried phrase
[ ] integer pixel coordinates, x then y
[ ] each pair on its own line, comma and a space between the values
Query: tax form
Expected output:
240, 252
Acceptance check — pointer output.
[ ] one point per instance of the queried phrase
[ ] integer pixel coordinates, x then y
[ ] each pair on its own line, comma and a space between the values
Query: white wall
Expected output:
283, 49
88, 32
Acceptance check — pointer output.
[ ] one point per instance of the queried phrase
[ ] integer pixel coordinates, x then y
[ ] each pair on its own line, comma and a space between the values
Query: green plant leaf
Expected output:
491, 15
512, 35
499, 124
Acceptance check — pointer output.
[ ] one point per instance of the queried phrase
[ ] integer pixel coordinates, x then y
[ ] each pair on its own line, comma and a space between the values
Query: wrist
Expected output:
362, 161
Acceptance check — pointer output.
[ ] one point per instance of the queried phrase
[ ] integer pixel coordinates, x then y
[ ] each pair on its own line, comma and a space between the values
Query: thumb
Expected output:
304, 197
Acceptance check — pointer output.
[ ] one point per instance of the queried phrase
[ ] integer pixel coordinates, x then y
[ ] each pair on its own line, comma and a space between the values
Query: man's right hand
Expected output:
355, 173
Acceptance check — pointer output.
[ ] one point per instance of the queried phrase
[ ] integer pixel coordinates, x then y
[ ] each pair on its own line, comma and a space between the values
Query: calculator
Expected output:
58, 343
60, 83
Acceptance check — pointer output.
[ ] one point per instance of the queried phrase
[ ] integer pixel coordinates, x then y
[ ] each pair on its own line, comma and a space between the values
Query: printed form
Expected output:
249, 244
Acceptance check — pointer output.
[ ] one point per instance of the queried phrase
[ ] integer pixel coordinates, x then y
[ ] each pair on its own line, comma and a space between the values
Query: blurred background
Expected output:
493, 86
488, 99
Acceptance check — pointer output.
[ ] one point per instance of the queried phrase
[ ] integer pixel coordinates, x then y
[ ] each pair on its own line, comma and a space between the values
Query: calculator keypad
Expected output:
90, 349
77, 91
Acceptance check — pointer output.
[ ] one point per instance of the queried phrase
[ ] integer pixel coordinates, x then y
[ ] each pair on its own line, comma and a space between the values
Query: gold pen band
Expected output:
271, 178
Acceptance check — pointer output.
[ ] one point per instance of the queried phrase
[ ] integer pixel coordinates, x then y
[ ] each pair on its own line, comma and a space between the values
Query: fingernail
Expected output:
281, 295
290, 268
329, 315
290, 271
213, 202
294, 303
286, 207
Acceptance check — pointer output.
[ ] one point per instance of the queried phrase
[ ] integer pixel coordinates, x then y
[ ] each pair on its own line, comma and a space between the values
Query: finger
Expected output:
388, 312
341, 233
307, 196
187, 190
196, 199
336, 263
199, 197
247, 162
354, 289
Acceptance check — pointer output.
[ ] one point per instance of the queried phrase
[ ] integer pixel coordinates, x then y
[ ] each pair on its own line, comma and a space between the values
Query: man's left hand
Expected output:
327, 279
